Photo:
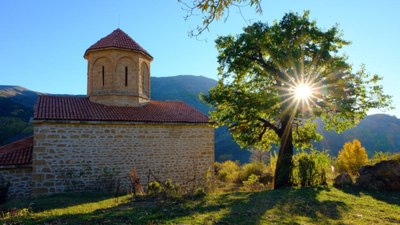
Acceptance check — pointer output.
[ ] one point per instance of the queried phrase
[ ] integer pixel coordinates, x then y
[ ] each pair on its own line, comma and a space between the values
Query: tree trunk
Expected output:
284, 163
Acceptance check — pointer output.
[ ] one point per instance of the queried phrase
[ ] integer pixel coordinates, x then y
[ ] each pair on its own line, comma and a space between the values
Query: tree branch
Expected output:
265, 127
269, 125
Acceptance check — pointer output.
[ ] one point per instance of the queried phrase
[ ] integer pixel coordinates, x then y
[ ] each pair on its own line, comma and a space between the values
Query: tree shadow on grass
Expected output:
390, 197
277, 206
56, 201
284, 206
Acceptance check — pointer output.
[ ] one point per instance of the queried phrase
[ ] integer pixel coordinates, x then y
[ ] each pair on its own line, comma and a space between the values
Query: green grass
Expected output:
287, 206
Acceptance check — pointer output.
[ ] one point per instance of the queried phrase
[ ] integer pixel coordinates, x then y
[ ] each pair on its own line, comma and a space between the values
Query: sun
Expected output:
302, 91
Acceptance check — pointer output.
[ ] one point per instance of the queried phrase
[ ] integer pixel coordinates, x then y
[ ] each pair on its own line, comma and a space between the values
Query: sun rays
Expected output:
302, 85
302, 92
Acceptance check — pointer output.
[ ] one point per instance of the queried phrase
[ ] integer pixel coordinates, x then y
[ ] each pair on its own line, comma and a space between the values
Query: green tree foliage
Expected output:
260, 72
352, 157
212, 10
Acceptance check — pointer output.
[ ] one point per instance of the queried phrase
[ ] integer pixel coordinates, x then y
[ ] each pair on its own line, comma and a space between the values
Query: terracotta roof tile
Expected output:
118, 39
81, 108
17, 153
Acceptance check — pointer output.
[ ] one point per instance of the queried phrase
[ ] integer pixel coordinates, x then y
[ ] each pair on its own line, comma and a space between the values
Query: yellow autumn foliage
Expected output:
352, 157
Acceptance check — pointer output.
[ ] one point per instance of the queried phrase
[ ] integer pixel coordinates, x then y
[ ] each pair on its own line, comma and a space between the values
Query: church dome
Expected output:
118, 39
118, 71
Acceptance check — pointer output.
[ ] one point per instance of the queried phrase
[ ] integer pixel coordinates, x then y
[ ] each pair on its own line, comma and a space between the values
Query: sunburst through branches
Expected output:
300, 93
303, 93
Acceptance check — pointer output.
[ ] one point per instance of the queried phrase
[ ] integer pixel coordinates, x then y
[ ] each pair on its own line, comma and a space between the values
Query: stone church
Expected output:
81, 143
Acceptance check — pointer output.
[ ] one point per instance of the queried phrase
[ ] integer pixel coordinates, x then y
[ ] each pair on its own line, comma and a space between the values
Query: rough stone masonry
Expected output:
80, 156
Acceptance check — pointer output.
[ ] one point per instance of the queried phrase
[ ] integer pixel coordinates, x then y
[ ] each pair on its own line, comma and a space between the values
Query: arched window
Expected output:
145, 79
99, 75
126, 76
102, 75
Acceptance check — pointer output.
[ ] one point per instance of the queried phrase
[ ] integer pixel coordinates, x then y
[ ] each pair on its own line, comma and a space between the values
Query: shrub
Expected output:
396, 156
230, 175
199, 192
227, 171
154, 188
252, 183
307, 171
166, 189
311, 169
254, 168
352, 157
382, 156
171, 190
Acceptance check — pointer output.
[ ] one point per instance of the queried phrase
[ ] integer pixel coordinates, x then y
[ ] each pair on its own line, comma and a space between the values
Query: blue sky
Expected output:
42, 42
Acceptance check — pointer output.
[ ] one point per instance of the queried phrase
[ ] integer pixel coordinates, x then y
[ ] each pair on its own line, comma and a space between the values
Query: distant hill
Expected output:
19, 95
16, 110
14, 121
378, 132
184, 88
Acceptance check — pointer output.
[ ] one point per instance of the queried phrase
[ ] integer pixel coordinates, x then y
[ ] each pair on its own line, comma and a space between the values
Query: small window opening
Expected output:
126, 76
102, 75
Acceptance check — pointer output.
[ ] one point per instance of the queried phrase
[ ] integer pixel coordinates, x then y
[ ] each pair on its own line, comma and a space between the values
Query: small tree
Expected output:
258, 155
352, 157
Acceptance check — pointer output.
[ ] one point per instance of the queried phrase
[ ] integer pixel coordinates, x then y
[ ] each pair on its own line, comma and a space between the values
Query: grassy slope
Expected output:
288, 206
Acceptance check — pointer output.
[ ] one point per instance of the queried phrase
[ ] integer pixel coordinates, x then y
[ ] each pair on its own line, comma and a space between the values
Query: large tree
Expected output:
275, 80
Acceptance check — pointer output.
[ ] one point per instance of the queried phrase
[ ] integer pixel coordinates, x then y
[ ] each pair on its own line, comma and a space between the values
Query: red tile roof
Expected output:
17, 153
118, 39
81, 108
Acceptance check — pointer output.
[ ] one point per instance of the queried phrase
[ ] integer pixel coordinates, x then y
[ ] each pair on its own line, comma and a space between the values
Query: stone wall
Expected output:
20, 179
77, 156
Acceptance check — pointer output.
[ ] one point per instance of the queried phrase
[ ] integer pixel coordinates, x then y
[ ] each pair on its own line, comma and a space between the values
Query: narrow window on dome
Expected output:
102, 75
126, 76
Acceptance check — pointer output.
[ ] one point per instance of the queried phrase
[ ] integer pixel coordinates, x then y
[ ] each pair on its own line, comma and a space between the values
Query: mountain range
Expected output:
379, 132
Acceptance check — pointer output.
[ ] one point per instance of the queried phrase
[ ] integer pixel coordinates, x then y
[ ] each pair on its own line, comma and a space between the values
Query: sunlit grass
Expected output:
61, 205
84, 208
287, 206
